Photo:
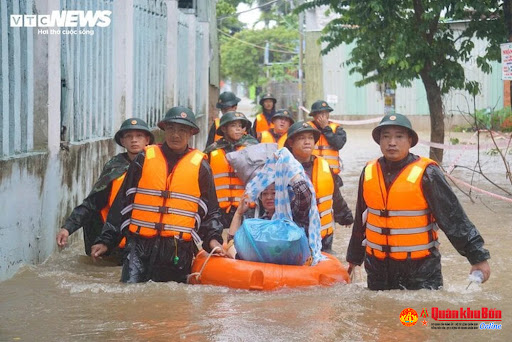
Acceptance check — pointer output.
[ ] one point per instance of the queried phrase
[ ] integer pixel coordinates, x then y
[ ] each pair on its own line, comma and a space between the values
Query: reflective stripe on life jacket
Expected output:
228, 186
323, 149
399, 222
116, 184
324, 189
267, 137
217, 124
167, 205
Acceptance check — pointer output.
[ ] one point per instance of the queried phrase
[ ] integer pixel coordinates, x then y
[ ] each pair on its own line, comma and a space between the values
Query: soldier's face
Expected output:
229, 109
395, 142
177, 136
268, 104
281, 125
134, 141
302, 145
233, 131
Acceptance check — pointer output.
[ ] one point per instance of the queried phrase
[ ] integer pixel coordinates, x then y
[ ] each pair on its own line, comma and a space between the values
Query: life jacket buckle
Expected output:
162, 210
384, 213
159, 226
166, 194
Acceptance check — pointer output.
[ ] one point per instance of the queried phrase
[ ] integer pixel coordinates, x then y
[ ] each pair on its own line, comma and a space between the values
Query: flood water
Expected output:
69, 298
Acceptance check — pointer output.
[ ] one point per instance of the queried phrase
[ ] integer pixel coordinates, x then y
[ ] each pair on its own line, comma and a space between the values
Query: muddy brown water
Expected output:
68, 298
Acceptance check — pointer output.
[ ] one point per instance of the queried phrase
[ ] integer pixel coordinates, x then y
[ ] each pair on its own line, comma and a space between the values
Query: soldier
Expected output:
228, 102
333, 137
229, 188
402, 201
332, 207
133, 135
166, 203
281, 121
263, 121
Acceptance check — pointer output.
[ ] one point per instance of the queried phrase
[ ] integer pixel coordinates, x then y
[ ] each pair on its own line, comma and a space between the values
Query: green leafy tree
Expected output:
227, 20
242, 56
397, 42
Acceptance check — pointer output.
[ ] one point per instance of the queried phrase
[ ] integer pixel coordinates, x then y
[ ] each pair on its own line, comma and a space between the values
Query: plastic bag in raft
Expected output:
272, 241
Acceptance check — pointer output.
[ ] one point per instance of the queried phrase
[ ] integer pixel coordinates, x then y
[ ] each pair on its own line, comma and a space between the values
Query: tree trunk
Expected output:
435, 105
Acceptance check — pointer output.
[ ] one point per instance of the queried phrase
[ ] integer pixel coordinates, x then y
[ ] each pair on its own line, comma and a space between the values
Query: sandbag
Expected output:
276, 241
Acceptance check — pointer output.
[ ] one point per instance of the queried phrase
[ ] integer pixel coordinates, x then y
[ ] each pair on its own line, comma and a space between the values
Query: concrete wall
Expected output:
38, 189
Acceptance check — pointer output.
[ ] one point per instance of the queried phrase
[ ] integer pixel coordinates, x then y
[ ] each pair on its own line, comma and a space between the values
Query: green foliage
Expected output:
243, 55
497, 120
227, 21
397, 42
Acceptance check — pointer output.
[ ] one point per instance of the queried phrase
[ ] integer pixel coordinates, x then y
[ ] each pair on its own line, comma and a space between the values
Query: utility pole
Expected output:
300, 113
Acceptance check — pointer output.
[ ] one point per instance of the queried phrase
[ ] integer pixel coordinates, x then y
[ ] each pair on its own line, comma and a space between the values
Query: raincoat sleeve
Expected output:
336, 139
356, 251
211, 222
84, 212
111, 233
98, 197
451, 218
342, 213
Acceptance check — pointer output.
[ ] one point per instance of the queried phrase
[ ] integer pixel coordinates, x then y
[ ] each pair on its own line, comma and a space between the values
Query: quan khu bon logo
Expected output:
62, 19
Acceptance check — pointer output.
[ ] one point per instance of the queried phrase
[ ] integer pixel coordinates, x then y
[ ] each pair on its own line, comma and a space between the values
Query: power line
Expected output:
256, 46
250, 9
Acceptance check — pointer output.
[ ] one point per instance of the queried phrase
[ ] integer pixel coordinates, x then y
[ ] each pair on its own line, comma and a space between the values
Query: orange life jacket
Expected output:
262, 124
217, 124
267, 137
323, 183
323, 149
228, 186
116, 184
399, 221
167, 205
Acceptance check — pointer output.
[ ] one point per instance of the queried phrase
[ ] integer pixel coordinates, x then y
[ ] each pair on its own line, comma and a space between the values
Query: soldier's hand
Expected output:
484, 267
62, 237
98, 250
322, 120
218, 251
351, 268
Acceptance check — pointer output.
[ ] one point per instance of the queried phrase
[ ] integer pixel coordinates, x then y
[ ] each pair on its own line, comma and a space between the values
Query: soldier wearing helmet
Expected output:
166, 207
134, 134
402, 201
282, 120
233, 127
332, 207
333, 136
263, 121
228, 102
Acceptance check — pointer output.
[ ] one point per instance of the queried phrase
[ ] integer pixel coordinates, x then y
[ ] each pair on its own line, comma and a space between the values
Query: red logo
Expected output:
183, 114
133, 122
408, 317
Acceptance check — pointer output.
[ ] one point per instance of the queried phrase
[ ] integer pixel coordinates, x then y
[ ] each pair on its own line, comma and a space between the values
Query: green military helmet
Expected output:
395, 119
181, 115
319, 106
233, 116
227, 99
268, 96
302, 126
283, 114
133, 124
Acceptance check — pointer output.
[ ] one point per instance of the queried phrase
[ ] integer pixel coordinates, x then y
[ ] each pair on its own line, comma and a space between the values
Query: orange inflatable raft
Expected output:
241, 274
